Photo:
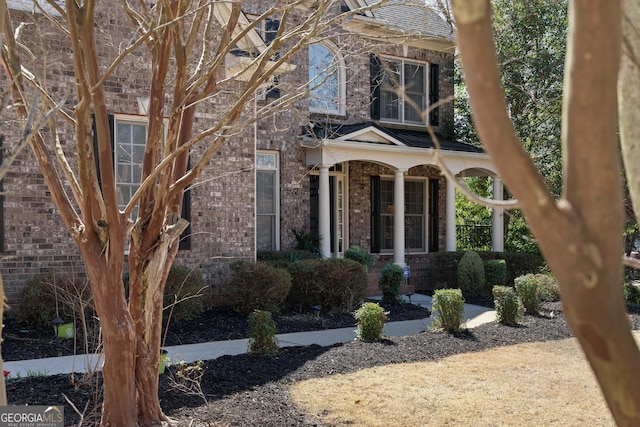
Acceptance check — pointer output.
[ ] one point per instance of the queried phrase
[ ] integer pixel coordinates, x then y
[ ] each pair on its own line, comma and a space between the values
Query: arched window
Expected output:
326, 80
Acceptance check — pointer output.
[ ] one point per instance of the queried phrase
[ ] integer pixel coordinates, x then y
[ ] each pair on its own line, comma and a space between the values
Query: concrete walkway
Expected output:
474, 314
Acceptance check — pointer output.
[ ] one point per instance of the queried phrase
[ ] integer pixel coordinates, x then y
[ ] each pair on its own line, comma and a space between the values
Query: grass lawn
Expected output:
532, 384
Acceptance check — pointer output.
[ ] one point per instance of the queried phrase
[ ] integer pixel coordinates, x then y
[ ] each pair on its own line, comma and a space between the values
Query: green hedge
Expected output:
333, 284
441, 271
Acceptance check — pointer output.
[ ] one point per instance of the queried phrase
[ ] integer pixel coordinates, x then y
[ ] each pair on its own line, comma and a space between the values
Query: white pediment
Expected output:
371, 135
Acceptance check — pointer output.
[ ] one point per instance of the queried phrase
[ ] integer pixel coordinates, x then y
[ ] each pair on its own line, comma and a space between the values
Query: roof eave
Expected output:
373, 28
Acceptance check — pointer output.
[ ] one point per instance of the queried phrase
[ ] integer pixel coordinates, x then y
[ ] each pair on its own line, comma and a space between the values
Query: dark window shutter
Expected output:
95, 143
376, 80
434, 93
375, 214
185, 238
434, 212
314, 185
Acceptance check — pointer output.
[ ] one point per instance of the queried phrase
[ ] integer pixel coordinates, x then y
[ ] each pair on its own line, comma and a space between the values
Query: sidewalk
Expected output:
475, 315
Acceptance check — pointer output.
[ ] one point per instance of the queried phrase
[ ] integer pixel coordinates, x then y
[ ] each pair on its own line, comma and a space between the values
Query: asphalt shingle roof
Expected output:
411, 138
412, 16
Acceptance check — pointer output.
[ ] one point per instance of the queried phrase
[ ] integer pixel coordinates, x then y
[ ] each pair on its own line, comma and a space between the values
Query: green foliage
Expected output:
548, 288
528, 288
495, 272
632, 293
334, 284
257, 286
473, 232
359, 255
306, 241
283, 259
390, 281
471, 280
183, 294
448, 309
371, 318
508, 307
262, 333
38, 302
441, 269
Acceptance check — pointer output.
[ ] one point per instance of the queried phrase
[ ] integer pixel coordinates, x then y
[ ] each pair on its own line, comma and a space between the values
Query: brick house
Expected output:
351, 162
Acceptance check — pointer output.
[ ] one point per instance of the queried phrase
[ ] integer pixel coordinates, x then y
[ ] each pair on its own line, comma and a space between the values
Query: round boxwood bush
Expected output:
333, 284
258, 286
38, 302
371, 318
359, 255
390, 282
183, 289
471, 279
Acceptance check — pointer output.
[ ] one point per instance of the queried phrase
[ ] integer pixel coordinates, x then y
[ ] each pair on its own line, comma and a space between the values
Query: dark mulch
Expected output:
249, 390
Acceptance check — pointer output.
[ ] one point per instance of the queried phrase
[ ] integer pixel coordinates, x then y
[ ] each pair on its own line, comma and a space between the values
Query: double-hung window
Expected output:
129, 135
402, 90
403, 94
267, 205
414, 214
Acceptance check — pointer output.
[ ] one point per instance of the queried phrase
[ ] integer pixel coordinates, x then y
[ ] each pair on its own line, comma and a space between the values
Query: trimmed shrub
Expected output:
508, 307
258, 286
283, 259
390, 282
38, 302
631, 293
359, 255
333, 284
183, 298
495, 272
262, 333
448, 309
528, 287
471, 280
548, 288
371, 318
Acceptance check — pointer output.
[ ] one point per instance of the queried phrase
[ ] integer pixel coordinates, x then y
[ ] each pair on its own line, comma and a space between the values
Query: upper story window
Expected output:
326, 80
30, 6
267, 201
402, 90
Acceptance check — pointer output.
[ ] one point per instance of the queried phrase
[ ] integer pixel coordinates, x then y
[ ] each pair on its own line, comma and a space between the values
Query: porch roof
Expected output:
328, 144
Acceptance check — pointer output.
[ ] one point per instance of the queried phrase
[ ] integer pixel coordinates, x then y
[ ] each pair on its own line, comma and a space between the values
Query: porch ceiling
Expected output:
398, 149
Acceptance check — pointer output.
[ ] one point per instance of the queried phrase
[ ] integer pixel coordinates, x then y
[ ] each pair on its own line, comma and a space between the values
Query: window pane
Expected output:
265, 192
138, 134
386, 228
414, 77
265, 161
389, 105
265, 239
324, 86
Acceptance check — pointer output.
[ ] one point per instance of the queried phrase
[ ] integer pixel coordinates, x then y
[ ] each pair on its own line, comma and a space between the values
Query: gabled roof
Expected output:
372, 133
411, 19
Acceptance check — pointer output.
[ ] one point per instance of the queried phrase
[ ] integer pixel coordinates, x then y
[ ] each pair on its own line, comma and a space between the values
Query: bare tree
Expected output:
186, 50
581, 234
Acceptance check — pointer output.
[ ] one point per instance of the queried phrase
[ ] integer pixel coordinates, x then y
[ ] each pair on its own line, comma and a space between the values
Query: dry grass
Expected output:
533, 384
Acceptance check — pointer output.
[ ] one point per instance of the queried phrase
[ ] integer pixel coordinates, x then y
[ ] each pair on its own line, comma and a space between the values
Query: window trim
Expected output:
425, 215
402, 105
29, 6
341, 97
185, 238
276, 170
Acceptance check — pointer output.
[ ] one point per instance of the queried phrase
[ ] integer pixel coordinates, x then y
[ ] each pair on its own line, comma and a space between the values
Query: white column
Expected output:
398, 218
450, 243
324, 214
497, 219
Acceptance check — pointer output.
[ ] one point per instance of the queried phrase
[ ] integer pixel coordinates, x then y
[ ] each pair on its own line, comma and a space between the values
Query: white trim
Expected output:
341, 75
276, 170
29, 6
379, 136
402, 105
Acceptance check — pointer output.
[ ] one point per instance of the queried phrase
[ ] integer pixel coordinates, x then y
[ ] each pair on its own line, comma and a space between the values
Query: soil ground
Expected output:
250, 390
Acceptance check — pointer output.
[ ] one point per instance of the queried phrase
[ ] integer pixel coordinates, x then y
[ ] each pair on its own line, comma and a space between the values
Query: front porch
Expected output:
397, 156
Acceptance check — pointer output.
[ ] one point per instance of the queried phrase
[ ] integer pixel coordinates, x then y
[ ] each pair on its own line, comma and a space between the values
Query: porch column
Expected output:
497, 218
398, 218
324, 212
450, 243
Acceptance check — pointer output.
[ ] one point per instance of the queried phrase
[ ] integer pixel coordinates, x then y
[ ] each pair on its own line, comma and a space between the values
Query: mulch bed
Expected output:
250, 390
